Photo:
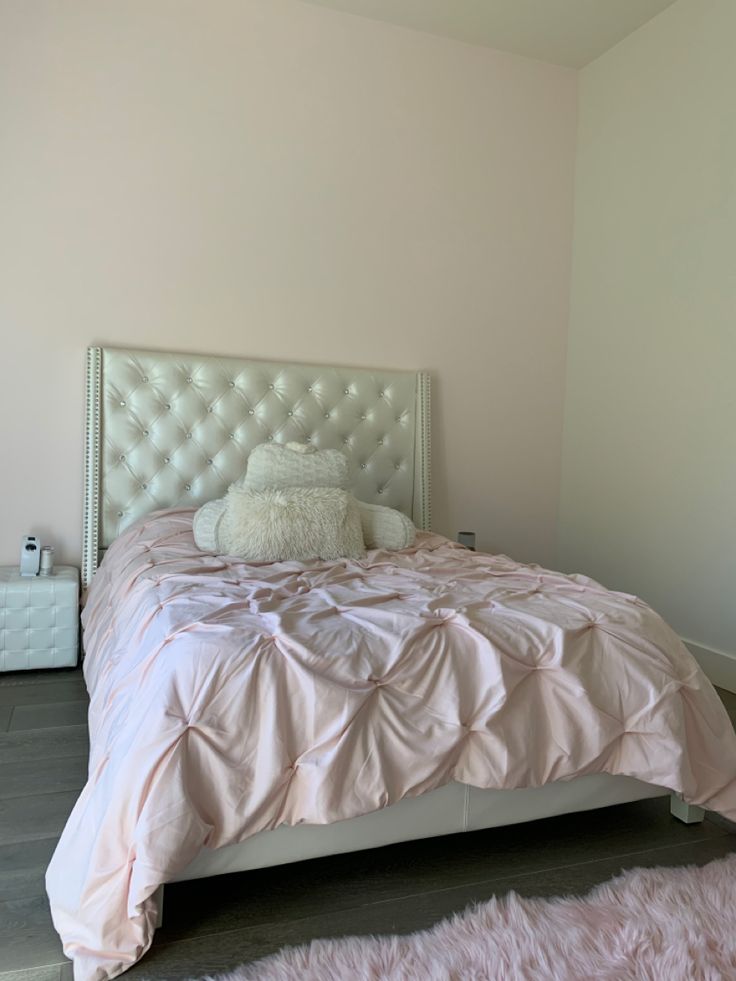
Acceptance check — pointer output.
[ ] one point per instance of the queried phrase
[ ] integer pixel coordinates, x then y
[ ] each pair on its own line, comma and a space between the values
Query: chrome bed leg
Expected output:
687, 813
159, 897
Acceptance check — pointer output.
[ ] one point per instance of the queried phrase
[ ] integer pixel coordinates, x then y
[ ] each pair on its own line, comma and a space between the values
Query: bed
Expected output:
196, 766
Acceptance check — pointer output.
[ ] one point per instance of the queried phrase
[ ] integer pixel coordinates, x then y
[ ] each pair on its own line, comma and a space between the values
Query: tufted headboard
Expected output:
166, 429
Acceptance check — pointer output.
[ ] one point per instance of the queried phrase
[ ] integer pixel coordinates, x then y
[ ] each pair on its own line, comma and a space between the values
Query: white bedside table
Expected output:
39, 619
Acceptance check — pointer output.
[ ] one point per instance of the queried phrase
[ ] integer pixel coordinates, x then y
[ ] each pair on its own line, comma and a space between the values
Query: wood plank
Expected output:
5, 712
35, 974
29, 818
48, 744
729, 701
403, 914
42, 776
60, 690
27, 936
40, 676
52, 714
23, 868
334, 882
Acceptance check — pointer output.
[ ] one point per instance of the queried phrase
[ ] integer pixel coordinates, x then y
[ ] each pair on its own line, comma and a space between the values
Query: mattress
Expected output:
230, 698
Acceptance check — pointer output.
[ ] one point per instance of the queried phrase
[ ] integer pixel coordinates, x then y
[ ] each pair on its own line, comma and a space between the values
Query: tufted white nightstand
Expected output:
39, 619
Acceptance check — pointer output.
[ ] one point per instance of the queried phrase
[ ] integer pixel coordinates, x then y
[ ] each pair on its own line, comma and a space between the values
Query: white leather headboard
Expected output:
166, 429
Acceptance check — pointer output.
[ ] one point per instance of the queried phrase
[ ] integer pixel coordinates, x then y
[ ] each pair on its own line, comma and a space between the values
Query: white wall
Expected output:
649, 465
272, 179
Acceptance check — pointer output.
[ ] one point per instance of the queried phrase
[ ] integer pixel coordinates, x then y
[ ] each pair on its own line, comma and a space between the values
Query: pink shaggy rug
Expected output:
646, 925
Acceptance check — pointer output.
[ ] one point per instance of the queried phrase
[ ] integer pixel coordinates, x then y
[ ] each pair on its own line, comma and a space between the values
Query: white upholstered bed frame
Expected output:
167, 429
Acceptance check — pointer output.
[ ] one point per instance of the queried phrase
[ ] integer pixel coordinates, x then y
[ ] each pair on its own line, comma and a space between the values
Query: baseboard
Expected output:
719, 666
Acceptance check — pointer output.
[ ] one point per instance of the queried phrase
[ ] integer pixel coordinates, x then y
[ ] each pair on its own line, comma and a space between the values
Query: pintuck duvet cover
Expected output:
228, 698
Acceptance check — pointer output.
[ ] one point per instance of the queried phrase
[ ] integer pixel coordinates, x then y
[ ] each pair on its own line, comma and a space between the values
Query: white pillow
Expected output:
294, 465
385, 527
206, 525
293, 523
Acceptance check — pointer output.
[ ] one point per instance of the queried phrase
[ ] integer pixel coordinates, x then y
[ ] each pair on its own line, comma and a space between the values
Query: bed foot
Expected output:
687, 813
159, 898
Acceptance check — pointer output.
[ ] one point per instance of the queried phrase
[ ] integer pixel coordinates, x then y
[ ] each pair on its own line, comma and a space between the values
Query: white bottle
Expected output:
47, 561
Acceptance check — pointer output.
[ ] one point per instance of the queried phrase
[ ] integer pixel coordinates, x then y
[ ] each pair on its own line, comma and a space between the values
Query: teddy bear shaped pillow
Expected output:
293, 504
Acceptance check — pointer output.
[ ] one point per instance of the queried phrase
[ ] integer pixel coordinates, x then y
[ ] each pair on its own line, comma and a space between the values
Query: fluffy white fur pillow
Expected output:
292, 523
385, 527
382, 527
294, 465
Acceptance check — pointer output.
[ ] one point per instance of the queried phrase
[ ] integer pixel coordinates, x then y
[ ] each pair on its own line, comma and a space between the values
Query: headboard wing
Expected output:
166, 429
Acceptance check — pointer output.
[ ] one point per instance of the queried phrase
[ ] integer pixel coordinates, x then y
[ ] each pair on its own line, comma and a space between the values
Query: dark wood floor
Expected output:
213, 925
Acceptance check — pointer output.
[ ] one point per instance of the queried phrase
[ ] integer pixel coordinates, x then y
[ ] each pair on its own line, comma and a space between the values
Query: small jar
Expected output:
47, 561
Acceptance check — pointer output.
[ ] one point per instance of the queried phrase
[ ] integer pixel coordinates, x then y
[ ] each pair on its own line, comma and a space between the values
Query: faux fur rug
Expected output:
648, 924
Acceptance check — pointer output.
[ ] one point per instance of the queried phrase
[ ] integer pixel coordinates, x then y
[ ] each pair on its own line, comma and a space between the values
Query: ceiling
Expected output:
565, 32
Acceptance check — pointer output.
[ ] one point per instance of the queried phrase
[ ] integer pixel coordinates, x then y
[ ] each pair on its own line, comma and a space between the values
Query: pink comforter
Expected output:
229, 698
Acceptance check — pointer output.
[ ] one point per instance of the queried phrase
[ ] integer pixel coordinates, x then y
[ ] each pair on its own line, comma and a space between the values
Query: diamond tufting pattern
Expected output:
178, 429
